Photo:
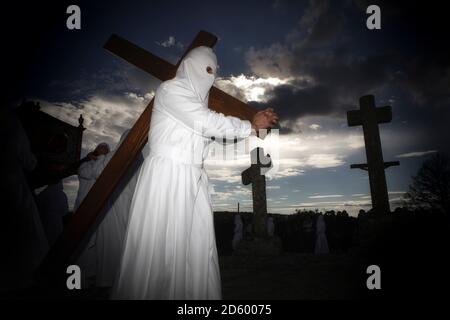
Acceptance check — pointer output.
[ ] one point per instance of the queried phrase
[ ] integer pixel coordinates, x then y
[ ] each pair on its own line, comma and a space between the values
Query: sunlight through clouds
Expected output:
311, 144
250, 88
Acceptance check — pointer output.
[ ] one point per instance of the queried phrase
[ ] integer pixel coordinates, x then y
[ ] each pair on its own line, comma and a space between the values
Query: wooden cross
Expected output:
90, 212
369, 117
255, 176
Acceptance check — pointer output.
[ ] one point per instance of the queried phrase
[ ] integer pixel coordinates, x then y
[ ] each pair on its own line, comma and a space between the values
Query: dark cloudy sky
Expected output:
311, 60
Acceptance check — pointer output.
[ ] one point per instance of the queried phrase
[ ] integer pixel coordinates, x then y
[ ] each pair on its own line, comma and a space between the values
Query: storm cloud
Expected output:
334, 59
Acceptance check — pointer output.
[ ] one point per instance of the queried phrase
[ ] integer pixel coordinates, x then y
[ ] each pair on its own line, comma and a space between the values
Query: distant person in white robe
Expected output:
110, 234
23, 243
238, 231
170, 248
321, 246
270, 227
101, 258
88, 172
53, 206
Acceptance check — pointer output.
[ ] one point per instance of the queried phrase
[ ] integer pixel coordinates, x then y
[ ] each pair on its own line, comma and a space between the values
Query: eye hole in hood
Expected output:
193, 69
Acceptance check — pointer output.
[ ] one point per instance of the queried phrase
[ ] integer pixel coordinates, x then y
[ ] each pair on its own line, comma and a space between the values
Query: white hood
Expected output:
192, 70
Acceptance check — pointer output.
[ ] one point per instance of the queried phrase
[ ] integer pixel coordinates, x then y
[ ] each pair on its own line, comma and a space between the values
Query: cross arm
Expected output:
219, 101
391, 164
247, 175
362, 166
354, 118
149, 62
384, 114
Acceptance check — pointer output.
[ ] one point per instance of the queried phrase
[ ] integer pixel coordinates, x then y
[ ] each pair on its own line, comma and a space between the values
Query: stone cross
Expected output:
369, 117
90, 212
255, 175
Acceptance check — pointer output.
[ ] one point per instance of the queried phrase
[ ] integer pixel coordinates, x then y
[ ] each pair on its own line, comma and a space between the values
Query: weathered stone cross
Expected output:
256, 176
369, 117
90, 212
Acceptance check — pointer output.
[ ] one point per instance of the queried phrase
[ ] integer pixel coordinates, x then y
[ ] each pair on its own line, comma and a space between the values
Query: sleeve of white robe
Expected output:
204, 121
92, 169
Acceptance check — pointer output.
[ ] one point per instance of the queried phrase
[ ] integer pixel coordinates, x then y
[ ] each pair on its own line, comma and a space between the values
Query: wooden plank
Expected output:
222, 102
140, 58
218, 100
147, 61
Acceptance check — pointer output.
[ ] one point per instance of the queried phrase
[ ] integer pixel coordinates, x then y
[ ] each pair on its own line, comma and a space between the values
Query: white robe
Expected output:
88, 172
101, 257
110, 234
321, 246
170, 249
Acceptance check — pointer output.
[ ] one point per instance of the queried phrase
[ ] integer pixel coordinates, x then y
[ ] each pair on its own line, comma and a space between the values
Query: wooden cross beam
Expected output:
369, 117
255, 176
363, 166
90, 212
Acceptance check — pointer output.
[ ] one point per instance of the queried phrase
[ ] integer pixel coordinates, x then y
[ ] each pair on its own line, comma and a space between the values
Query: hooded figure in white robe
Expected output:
321, 246
88, 172
170, 248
